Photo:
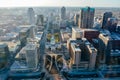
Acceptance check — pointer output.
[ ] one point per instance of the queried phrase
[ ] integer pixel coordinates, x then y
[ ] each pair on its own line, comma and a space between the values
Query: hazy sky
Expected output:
94, 3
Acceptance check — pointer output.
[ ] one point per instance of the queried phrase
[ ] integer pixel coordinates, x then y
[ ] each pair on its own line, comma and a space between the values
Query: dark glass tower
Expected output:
63, 13
106, 15
86, 17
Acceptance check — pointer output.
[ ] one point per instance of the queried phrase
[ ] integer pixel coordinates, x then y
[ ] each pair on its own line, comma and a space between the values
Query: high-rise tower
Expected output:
76, 19
86, 17
106, 15
31, 55
63, 13
31, 16
40, 20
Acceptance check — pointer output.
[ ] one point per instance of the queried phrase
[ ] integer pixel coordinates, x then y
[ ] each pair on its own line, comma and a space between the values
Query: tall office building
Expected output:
86, 17
82, 54
4, 55
106, 15
40, 20
31, 55
76, 19
92, 60
76, 54
63, 13
32, 31
31, 16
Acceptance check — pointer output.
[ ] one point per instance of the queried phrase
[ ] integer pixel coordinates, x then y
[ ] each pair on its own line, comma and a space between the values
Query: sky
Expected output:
59, 3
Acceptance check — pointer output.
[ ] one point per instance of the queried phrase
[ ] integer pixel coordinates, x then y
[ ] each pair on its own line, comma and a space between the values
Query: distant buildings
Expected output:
4, 56
109, 22
63, 13
63, 18
106, 15
97, 23
86, 17
31, 16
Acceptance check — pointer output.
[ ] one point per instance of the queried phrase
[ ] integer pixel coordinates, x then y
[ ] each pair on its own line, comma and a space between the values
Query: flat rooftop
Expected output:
30, 47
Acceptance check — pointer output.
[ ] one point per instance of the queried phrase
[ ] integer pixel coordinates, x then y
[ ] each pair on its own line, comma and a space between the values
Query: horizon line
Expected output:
57, 6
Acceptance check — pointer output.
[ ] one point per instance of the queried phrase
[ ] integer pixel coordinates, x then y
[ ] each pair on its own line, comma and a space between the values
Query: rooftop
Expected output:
76, 29
30, 47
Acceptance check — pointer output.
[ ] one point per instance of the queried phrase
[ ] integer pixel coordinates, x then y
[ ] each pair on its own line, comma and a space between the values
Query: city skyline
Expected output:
59, 3
59, 43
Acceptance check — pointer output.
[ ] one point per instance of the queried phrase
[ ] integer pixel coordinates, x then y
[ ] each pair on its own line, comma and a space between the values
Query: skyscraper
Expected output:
31, 55
63, 13
76, 54
32, 31
106, 15
76, 19
93, 54
86, 17
40, 20
31, 16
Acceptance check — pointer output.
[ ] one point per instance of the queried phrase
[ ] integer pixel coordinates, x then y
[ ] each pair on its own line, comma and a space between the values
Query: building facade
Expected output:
106, 15
31, 16
31, 56
86, 19
40, 20
63, 13
76, 19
